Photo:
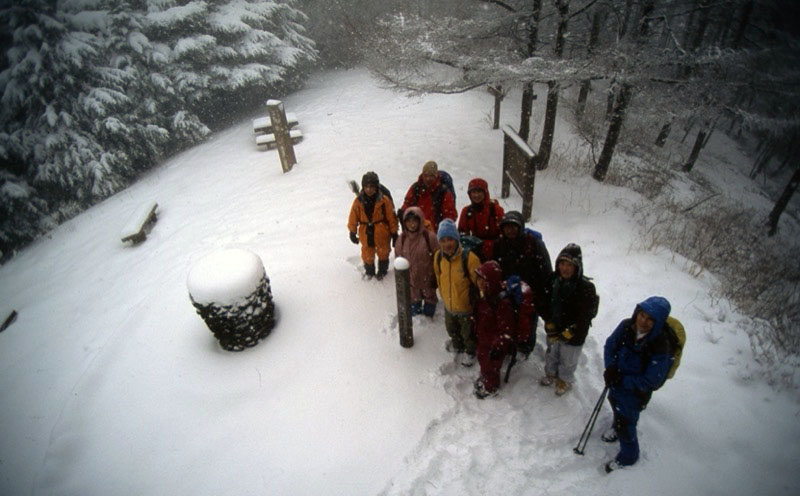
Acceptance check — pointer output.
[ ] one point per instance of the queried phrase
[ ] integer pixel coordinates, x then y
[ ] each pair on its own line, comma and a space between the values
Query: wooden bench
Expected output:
263, 125
268, 140
140, 223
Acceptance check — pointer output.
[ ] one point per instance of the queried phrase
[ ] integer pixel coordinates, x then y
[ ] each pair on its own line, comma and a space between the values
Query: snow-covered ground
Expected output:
111, 384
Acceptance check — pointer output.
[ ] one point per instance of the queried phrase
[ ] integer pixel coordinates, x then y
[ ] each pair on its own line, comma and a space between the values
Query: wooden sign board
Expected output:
519, 169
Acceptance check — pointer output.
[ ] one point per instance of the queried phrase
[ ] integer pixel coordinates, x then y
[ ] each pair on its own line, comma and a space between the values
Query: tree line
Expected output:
700, 65
96, 91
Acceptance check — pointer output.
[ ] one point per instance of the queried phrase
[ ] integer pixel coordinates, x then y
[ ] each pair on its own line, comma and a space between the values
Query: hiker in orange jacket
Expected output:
373, 223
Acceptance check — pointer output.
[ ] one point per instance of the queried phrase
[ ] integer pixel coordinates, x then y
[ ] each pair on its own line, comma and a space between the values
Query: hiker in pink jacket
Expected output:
417, 244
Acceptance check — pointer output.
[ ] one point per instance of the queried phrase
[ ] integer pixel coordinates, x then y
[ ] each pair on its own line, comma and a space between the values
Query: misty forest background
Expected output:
95, 92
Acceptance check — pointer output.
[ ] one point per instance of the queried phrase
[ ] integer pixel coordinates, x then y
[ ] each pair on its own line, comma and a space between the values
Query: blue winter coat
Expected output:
644, 364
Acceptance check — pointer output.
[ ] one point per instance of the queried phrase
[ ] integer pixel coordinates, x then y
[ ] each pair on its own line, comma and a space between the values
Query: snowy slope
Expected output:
112, 384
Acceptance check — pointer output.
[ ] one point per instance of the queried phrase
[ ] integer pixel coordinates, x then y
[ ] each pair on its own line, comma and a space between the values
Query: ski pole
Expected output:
512, 362
587, 431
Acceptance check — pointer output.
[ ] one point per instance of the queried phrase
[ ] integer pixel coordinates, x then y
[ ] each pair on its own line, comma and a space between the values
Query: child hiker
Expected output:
417, 244
455, 275
502, 322
373, 223
569, 309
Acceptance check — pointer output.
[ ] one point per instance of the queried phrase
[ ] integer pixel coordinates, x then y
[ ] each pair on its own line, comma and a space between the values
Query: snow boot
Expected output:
547, 381
383, 269
562, 387
468, 359
610, 436
613, 465
416, 308
480, 390
429, 309
369, 270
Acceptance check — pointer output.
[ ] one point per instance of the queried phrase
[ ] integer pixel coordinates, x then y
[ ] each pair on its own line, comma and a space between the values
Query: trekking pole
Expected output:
587, 431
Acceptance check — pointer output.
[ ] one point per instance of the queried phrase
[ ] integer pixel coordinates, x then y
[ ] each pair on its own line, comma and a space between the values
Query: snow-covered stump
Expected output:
402, 280
231, 292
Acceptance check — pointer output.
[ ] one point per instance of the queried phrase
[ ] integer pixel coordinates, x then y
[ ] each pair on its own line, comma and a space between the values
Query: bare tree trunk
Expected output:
744, 20
698, 145
551, 110
644, 21
782, 202
661, 140
526, 110
594, 36
614, 130
626, 18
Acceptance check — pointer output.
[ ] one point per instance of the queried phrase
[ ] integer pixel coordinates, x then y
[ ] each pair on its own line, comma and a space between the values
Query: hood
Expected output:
657, 307
493, 274
572, 253
481, 184
415, 211
513, 217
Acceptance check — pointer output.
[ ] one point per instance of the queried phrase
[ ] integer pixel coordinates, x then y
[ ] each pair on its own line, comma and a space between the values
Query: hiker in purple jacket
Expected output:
417, 244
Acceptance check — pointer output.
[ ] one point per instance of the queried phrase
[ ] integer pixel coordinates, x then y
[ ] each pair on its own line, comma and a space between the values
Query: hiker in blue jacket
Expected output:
637, 360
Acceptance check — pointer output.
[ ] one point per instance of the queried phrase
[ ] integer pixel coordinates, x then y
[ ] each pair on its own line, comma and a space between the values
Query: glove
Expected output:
354, 238
566, 334
394, 240
612, 376
550, 328
495, 354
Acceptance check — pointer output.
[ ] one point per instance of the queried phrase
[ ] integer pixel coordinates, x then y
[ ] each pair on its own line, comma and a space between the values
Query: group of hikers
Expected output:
496, 280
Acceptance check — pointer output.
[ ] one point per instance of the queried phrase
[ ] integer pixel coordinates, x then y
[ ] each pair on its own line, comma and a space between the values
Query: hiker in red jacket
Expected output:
481, 218
431, 195
502, 319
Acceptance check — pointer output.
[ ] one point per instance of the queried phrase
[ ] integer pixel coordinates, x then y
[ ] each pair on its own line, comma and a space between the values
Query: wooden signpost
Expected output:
519, 169
280, 128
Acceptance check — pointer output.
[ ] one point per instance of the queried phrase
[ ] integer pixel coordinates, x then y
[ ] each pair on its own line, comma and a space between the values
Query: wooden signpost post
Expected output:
280, 128
519, 169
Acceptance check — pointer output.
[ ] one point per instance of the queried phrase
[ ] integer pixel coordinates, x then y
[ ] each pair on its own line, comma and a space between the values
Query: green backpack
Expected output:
676, 335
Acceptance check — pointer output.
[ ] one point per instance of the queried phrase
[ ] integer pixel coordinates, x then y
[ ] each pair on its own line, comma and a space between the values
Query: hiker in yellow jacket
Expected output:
456, 278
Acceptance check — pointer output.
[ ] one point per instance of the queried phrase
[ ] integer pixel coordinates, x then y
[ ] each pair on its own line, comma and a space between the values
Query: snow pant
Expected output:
459, 328
625, 406
490, 367
428, 295
381, 249
528, 346
561, 360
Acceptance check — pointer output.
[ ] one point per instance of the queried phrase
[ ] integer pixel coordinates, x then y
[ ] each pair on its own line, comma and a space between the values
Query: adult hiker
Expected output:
502, 321
637, 359
432, 195
417, 244
373, 223
481, 218
569, 308
521, 252
456, 278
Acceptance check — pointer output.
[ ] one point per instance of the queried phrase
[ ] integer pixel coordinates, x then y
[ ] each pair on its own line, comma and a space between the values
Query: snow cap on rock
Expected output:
447, 229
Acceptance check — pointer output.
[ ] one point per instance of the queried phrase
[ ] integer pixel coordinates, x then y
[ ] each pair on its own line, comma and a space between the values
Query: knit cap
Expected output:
447, 229
430, 167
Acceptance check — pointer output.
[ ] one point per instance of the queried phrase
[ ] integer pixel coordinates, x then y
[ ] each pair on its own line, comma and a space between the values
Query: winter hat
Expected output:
370, 178
514, 217
572, 254
447, 229
430, 167
478, 183
493, 275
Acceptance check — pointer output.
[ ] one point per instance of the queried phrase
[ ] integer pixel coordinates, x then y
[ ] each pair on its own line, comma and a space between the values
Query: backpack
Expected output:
384, 189
676, 335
